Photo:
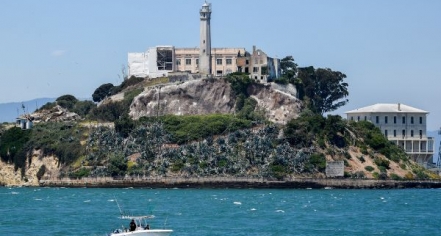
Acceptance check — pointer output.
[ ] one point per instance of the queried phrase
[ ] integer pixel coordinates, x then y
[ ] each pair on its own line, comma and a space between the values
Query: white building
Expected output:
155, 62
161, 60
404, 125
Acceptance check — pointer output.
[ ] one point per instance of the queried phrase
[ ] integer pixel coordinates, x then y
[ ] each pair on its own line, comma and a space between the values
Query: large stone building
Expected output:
403, 125
161, 60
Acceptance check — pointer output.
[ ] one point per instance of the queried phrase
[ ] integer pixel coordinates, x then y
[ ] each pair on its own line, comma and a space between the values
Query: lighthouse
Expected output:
205, 44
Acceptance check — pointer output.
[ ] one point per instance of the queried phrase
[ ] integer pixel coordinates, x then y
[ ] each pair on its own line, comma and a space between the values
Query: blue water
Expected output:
88, 211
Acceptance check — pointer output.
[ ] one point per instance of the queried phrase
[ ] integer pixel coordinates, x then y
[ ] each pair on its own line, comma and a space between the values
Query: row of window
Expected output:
386, 119
219, 61
403, 119
403, 133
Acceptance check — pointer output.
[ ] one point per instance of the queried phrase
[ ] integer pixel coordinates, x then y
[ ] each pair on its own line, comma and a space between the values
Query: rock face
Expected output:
10, 177
57, 114
207, 96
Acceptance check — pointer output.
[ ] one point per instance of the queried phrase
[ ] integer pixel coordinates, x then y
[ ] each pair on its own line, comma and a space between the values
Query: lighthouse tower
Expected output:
205, 48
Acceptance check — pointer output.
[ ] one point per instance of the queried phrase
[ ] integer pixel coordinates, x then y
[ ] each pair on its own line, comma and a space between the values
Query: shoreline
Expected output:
225, 183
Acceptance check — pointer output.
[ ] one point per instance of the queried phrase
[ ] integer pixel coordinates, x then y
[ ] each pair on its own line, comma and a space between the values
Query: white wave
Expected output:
87, 201
38, 199
237, 203
252, 209
111, 200
14, 193
280, 211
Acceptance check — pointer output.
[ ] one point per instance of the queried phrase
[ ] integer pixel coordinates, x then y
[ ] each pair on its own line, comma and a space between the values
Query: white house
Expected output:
404, 125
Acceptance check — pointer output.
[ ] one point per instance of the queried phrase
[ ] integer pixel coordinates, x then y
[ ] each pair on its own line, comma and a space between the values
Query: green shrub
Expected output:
395, 177
369, 168
317, 161
177, 166
382, 162
278, 171
83, 172
197, 127
361, 158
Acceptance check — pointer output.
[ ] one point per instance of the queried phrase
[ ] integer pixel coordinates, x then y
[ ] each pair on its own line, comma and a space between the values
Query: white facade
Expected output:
404, 125
155, 62
137, 64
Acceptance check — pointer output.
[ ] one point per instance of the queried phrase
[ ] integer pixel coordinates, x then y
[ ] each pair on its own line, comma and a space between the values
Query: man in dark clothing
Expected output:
132, 225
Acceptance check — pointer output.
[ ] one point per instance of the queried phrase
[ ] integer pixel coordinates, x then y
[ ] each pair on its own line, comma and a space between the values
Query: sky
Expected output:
389, 50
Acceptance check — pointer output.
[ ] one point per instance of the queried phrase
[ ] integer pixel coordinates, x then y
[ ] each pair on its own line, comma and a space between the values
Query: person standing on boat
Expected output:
132, 225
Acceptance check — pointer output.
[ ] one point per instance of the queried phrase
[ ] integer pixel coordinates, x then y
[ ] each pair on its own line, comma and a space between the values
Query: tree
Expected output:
67, 101
83, 108
289, 68
323, 89
102, 92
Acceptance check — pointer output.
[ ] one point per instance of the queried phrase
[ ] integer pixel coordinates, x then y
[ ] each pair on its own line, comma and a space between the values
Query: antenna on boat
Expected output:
120, 211
165, 222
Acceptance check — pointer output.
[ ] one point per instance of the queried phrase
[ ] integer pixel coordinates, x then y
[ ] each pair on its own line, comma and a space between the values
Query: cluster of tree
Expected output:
322, 89
311, 128
71, 103
109, 89
245, 105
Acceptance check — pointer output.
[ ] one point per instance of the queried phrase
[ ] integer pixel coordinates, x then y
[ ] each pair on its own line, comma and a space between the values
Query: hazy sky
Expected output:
389, 50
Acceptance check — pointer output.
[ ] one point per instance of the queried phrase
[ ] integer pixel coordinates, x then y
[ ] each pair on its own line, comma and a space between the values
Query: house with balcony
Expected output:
401, 124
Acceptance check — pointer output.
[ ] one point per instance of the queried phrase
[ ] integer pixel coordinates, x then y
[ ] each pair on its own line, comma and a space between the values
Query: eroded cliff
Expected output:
209, 96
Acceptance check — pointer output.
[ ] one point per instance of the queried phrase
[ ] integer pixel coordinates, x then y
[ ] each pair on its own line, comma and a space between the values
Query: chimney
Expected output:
399, 107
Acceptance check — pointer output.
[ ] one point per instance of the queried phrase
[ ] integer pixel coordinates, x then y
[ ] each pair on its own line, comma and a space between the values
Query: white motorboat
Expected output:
142, 228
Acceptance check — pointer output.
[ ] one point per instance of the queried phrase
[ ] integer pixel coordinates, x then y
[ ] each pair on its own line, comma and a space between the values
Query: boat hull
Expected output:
147, 232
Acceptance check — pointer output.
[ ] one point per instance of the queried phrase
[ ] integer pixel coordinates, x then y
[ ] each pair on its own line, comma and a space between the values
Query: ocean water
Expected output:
90, 211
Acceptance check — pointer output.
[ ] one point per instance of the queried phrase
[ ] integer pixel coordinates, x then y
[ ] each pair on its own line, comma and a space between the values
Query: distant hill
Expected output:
10, 111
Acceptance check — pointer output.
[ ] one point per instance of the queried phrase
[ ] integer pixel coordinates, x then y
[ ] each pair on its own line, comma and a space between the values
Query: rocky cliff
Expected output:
11, 177
209, 96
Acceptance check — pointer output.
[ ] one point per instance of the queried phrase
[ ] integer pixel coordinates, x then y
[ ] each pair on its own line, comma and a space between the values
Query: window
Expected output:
229, 61
385, 119
385, 133
358, 118
411, 133
219, 61
377, 119
188, 61
256, 60
404, 120
178, 62
255, 69
365, 118
218, 72
411, 119
395, 133
352, 118
197, 61
421, 120
404, 133
421, 134
247, 62
395, 119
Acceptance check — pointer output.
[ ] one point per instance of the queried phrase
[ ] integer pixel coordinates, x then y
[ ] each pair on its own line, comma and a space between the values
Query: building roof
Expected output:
387, 108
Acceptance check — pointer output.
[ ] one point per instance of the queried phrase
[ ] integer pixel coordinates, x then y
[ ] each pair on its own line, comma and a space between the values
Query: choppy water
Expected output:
86, 211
